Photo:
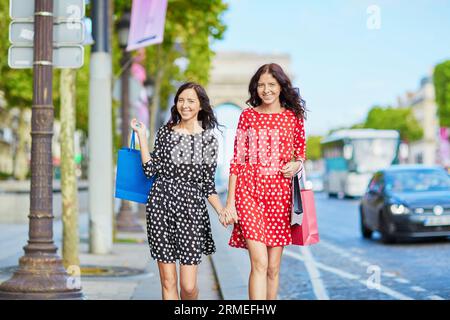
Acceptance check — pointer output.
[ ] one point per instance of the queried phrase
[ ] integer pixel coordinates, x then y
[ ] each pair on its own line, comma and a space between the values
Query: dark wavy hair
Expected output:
206, 114
289, 96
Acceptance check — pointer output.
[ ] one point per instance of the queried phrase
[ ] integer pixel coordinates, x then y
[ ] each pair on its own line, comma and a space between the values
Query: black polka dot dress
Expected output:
178, 225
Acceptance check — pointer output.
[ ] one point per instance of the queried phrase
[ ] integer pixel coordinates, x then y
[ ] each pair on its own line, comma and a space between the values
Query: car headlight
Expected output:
399, 209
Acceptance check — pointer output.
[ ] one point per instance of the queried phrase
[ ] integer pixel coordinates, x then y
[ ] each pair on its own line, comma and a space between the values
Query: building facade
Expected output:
423, 104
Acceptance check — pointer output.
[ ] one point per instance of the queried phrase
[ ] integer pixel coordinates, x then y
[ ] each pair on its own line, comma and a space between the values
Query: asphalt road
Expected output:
343, 265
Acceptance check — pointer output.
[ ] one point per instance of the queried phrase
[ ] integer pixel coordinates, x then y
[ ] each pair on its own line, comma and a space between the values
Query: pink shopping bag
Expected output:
306, 232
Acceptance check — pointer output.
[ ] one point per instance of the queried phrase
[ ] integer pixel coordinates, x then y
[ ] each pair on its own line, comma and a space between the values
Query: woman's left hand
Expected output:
291, 168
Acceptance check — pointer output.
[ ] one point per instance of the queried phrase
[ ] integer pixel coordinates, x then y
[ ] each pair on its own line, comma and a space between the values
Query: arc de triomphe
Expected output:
231, 73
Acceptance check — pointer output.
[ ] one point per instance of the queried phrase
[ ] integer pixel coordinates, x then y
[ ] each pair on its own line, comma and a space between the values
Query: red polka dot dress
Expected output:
264, 143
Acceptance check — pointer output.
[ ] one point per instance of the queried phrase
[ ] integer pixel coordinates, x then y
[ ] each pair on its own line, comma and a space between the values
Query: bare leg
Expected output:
188, 282
273, 271
168, 277
257, 283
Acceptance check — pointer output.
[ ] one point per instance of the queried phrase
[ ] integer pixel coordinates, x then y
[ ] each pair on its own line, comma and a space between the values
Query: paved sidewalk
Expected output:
143, 286
223, 275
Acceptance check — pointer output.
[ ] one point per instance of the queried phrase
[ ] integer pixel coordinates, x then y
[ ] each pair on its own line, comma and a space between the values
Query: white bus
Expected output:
352, 156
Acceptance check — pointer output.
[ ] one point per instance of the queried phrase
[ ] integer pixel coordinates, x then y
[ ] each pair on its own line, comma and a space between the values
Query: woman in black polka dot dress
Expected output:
184, 161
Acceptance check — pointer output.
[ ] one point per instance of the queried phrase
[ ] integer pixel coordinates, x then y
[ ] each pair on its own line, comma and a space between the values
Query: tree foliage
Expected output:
313, 150
190, 26
441, 79
400, 119
17, 84
191, 23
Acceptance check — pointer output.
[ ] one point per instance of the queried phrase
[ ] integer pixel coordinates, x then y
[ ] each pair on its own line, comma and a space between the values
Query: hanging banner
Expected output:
444, 146
147, 23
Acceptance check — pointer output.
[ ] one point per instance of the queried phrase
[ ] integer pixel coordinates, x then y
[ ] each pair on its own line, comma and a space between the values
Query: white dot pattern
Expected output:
263, 195
178, 225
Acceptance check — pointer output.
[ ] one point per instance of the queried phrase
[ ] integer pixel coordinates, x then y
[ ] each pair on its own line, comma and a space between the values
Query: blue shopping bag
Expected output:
131, 182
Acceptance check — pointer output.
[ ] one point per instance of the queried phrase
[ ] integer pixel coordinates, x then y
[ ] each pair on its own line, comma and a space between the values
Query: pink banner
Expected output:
444, 148
147, 23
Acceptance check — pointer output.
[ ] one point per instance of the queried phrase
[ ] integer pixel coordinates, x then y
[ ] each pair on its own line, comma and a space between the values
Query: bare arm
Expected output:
145, 154
231, 190
230, 208
214, 200
141, 132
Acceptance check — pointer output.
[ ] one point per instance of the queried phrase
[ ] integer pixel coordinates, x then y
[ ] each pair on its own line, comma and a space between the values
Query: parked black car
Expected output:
406, 201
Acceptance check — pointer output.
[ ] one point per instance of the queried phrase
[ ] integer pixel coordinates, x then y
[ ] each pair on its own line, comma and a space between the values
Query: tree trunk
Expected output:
21, 157
69, 187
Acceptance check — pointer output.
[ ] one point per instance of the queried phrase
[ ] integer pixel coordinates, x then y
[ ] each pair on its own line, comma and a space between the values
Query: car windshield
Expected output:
417, 181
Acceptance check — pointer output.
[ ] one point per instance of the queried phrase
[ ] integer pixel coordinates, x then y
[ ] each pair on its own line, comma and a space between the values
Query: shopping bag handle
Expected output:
132, 142
302, 173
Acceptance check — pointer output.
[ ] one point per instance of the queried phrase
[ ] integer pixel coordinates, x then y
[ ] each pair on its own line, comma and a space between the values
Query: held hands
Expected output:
291, 168
138, 127
228, 215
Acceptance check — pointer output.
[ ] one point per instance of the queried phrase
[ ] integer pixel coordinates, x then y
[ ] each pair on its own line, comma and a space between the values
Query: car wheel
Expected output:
365, 232
386, 236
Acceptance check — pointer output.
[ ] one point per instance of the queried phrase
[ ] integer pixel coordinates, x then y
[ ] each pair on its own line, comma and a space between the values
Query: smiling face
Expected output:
268, 89
188, 104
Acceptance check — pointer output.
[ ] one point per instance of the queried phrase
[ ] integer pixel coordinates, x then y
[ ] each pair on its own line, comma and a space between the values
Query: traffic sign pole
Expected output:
68, 32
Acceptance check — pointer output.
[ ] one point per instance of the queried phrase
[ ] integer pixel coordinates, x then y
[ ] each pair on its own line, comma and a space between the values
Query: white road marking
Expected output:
418, 289
314, 274
347, 275
346, 254
338, 272
401, 280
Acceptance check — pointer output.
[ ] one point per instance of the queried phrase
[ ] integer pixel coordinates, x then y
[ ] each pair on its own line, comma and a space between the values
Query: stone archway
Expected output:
228, 116
231, 73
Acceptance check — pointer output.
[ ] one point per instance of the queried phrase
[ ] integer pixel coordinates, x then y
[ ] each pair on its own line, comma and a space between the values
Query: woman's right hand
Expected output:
230, 213
138, 127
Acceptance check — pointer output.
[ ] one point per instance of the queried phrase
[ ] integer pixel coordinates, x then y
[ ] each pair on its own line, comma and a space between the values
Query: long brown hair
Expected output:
206, 114
289, 96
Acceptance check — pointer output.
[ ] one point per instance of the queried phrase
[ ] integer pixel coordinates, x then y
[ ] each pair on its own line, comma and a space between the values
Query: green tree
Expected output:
357, 126
313, 150
400, 119
190, 27
441, 79
17, 86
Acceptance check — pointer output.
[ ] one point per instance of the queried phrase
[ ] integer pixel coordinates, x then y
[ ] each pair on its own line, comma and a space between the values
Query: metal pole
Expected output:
126, 219
41, 274
101, 209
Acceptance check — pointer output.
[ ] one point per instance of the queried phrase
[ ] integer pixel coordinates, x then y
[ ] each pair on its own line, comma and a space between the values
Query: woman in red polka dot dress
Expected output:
269, 150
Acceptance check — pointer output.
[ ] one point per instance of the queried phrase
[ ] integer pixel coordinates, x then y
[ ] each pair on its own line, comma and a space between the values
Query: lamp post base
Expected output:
41, 277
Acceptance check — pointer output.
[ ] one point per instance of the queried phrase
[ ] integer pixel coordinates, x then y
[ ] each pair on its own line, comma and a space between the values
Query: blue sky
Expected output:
341, 66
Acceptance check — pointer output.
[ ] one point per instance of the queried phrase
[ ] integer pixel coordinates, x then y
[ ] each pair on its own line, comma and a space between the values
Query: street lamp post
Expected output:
41, 274
126, 219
